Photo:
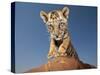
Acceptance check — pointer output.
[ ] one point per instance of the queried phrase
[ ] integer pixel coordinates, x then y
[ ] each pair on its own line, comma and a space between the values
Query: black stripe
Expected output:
70, 50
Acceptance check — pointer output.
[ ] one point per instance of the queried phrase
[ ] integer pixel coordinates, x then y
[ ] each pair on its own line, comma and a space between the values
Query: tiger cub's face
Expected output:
56, 22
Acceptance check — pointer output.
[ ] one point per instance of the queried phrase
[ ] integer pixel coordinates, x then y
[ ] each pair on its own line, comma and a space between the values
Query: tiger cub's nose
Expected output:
56, 36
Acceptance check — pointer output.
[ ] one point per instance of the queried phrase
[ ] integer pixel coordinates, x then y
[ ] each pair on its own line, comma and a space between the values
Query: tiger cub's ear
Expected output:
65, 12
44, 16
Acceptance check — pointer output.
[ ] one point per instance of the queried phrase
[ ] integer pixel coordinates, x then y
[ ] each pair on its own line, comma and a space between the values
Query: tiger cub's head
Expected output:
56, 22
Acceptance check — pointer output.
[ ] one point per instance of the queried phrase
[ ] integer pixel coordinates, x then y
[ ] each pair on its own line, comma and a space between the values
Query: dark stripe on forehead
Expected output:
54, 15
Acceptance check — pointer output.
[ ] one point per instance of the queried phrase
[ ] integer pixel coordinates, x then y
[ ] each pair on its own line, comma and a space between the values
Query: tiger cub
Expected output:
56, 22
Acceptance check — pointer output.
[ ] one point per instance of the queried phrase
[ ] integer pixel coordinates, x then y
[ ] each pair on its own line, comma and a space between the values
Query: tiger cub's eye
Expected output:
61, 25
50, 27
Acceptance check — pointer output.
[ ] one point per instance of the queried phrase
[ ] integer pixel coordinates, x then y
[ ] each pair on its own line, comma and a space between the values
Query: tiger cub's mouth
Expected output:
58, 42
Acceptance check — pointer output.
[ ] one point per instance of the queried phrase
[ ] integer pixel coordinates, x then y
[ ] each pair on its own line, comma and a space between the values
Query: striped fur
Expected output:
57, 25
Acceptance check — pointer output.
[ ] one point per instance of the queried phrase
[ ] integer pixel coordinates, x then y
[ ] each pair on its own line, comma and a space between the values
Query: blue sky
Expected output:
32, 39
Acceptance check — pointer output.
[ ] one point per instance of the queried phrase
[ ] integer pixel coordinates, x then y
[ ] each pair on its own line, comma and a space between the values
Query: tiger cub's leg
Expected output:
62, 51
52, 51
63, 47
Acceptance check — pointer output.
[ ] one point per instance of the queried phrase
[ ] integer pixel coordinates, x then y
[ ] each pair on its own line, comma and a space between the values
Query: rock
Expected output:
61, 63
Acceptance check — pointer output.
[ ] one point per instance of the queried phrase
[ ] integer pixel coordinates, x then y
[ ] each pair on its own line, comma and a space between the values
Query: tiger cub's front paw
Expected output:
61, 54
51, 54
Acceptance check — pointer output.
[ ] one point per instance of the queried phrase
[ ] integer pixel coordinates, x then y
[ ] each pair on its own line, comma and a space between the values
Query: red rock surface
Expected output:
61, 63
